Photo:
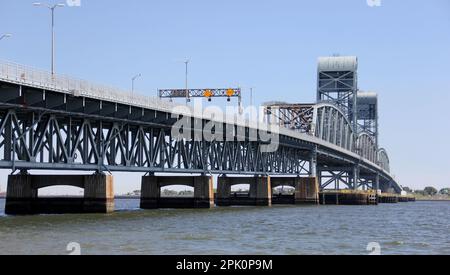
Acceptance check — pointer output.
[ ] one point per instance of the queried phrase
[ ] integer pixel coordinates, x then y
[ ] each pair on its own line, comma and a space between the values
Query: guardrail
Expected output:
26, 75
43, 79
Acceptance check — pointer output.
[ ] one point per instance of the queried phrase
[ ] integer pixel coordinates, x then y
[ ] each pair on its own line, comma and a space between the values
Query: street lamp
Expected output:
5, 36
132, 82
52, 9
186, 62
251, 96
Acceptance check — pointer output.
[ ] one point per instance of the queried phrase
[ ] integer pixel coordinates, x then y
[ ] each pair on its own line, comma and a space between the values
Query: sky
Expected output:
403, 49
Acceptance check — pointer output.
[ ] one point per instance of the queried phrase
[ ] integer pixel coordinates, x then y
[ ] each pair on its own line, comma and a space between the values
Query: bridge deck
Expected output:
28, 77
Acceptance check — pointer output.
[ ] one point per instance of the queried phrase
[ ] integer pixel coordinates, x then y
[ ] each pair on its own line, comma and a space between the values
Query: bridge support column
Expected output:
307, 191
355, 177
151, 192
20, 195
223, 196
377, 183
260, 193
204, 192
98, 194
313, 164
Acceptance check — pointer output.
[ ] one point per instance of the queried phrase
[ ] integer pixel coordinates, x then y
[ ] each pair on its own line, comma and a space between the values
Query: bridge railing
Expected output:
26, 75
43, 79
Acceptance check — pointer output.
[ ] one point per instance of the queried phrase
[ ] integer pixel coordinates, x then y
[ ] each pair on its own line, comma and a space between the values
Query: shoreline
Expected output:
431, 200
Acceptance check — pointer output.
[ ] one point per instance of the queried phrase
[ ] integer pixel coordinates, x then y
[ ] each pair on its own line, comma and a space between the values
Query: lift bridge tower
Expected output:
367, 114
338, 84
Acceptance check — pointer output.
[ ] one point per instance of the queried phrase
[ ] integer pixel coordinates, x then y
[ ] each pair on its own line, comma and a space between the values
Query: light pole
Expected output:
132, 82
251, 96
7, 35
186, 62
52, 9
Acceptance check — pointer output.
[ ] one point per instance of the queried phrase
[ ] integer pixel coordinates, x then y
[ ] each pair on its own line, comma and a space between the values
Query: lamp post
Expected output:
186, 62
52, 9
251, 95
132, 82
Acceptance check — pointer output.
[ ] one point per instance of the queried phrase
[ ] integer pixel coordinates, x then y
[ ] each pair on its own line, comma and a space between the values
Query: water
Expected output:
407, 228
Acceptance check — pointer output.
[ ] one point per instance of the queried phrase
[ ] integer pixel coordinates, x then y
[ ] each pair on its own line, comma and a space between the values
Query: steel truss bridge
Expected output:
53, 122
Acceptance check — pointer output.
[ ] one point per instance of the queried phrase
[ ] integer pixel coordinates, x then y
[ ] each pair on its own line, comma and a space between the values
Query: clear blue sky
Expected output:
403, 49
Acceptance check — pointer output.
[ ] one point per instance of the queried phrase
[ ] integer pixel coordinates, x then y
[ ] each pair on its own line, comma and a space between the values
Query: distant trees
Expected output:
445, 191
173, 193
430, 191
169, 193
407, 189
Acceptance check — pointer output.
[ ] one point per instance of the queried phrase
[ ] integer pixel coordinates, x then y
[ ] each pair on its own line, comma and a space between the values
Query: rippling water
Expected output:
409, 228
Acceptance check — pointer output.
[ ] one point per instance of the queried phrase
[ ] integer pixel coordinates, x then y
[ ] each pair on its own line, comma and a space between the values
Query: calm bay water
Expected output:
409, 228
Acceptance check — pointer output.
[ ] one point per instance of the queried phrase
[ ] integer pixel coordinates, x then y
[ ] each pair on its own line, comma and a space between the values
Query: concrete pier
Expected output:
151, 192
306, 190
406, 198
260, 193
22, 194
98, 194
388, 198
348, 197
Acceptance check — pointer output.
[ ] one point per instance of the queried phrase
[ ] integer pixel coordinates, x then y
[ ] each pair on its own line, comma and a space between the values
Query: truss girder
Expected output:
37, 139
340, 88
329, 123
297, 117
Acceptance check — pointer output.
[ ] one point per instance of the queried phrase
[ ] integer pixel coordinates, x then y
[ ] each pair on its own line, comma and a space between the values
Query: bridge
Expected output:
55, 122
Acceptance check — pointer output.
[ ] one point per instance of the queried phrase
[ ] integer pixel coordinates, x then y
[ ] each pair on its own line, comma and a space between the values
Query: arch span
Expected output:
333, 126
383, 160
366, 147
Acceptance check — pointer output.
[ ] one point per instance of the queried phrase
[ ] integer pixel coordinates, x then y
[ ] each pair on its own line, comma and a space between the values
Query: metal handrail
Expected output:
21, 74
26, 75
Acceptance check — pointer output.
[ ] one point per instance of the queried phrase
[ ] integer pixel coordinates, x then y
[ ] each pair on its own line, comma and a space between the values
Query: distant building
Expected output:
136, 193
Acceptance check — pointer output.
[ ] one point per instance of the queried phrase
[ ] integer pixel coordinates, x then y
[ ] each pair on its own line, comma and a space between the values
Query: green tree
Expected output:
407, 189
445, 191
431, 191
